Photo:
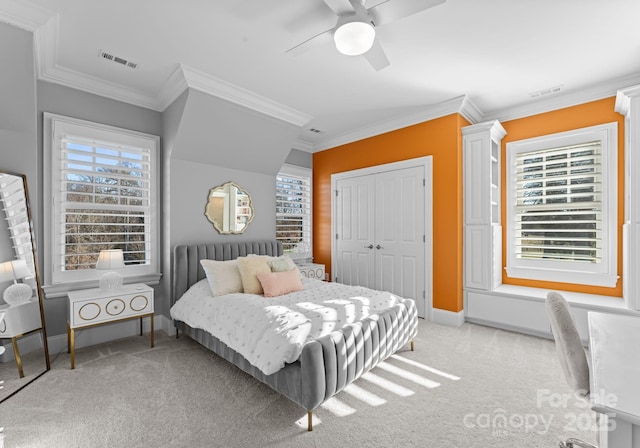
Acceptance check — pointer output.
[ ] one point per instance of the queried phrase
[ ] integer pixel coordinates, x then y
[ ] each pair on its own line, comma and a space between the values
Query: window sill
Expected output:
61, 289
564, 276
592, 302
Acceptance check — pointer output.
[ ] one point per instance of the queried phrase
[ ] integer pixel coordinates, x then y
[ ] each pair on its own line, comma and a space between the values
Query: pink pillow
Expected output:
279, 283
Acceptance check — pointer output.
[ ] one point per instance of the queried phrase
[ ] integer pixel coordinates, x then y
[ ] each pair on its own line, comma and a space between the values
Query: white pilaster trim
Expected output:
628, 105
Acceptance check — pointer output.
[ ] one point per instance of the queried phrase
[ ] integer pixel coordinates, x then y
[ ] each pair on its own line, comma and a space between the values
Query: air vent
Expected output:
118, 60
545, 92
314, 130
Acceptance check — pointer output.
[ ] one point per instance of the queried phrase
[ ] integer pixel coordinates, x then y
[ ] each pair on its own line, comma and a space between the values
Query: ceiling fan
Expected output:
355, 34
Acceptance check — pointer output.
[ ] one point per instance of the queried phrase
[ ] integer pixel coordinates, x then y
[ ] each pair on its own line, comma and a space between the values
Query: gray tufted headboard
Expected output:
186, 259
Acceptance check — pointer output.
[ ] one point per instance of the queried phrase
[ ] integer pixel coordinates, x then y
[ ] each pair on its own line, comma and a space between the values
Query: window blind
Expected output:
559, 204
293, 214
17, 217
105, 202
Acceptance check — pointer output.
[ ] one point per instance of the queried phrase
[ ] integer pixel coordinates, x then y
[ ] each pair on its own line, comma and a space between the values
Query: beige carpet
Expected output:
462, 387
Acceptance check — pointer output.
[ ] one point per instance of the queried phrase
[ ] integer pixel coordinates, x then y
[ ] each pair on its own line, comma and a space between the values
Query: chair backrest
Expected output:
573, 358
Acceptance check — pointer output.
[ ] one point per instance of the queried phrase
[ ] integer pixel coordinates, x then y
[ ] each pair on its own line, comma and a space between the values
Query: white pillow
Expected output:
223, 276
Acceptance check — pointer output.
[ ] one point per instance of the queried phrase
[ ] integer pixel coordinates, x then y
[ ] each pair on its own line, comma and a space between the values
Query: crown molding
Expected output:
430, 112
222, 89
47, 69
470, 111
623, 99
45, 46
181, 78
172, 88
23, 14
595, 92
303, 145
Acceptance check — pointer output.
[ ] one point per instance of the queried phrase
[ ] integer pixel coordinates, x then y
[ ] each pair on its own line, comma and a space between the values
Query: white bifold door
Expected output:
380, 239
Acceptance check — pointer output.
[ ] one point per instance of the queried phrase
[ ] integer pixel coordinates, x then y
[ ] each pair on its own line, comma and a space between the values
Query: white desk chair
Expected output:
571, 354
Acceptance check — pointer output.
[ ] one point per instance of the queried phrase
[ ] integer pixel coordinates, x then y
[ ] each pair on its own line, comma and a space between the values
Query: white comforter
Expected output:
270, 332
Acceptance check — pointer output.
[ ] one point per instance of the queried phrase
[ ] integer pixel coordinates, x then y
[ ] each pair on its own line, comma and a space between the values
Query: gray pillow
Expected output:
573, 358
281, 264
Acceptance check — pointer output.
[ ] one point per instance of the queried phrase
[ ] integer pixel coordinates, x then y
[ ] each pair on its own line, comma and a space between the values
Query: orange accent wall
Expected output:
584, 115
440, 138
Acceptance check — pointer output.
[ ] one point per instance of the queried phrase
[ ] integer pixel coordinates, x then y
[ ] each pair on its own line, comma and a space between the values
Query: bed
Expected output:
324, 365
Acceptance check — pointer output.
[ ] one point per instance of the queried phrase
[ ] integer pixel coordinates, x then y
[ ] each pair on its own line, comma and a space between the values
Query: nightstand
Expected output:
312, 270
18, 321
92, 307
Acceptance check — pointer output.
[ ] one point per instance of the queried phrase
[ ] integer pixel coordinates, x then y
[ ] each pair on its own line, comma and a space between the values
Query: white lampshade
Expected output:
354, 38
110, 259
107, 260
14, 270
17, 293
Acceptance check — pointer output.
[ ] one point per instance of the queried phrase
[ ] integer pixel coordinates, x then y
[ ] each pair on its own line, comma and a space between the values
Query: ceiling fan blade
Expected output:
340, 7
376, 56
392, 10
312, 42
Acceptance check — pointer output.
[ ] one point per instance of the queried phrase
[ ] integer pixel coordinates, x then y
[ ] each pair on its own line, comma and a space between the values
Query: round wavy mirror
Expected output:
229, 208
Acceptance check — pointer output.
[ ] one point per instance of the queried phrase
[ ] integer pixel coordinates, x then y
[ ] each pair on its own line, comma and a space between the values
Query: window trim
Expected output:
603, 274
57, 281
299, 171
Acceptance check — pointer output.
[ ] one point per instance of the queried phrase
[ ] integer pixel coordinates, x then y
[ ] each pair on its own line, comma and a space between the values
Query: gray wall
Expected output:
210, 141
206, 141
18, 150
300, 158
62, 100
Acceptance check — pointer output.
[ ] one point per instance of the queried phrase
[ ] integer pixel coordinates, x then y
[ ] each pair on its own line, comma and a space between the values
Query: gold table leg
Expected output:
411, 344
151, 318
72, 348
14, 342
310, 421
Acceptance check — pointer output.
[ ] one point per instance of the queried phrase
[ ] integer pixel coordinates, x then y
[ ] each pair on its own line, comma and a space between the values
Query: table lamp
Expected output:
108, 260
17, 293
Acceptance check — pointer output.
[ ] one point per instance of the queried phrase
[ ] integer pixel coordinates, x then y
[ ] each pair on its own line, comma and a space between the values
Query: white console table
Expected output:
614, 344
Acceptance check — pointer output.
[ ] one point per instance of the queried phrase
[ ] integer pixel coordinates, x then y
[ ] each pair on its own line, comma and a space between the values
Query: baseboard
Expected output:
110, 332
450, 318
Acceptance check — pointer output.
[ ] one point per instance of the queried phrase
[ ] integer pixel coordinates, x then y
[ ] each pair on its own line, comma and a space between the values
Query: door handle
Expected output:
379, 247
370, 246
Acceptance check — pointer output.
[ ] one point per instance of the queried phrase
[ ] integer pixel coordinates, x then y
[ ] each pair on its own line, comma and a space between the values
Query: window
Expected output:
104, 183
562, 207
293, 211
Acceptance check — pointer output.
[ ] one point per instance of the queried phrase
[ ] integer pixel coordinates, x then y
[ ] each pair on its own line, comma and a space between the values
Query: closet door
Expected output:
354, 226
400, 233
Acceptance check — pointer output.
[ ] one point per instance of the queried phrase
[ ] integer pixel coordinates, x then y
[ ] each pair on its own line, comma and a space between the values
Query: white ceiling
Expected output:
491, 53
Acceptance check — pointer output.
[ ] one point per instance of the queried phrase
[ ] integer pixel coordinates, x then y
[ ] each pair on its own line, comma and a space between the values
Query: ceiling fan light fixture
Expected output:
354, 38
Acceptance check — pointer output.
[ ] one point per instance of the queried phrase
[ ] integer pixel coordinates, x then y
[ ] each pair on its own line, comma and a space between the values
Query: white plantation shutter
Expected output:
104, 182
559, 204
105, 201
12, 197
293, 213
562, 202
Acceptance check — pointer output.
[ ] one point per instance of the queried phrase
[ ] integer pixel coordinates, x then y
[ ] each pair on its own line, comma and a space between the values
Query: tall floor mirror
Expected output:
24, 354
